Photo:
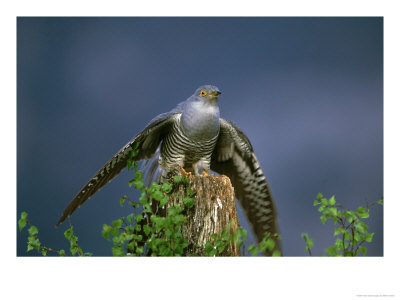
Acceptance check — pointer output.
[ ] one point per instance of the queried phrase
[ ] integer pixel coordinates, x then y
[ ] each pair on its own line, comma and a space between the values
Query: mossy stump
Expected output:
214, 210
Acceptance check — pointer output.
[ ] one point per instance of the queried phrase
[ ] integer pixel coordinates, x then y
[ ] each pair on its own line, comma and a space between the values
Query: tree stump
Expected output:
213, 211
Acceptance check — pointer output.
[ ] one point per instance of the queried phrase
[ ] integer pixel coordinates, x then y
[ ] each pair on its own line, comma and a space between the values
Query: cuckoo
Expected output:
194, 136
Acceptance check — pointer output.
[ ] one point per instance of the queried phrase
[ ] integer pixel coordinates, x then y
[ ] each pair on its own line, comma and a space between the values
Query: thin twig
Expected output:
356, 252
41, 247
308, 248
78, 249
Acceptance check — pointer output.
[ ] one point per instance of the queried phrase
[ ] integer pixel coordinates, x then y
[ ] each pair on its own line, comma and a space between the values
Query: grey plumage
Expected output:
194, 136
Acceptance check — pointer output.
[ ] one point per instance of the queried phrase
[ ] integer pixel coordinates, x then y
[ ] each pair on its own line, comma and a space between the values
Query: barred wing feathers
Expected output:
148, 141
234, 157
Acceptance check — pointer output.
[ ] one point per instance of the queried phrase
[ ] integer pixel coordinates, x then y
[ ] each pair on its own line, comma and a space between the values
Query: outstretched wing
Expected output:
233, 156
148, 141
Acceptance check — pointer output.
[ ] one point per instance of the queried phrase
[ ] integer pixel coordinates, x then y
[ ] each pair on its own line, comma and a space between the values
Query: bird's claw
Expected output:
186, 173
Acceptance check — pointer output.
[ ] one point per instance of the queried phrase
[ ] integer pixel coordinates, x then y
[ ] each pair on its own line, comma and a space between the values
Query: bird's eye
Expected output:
203, 93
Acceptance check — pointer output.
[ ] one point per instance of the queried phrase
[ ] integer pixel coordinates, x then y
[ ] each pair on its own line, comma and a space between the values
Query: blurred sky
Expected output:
308, 92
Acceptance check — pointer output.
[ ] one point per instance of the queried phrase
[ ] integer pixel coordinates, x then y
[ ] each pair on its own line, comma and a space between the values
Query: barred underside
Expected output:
178, 148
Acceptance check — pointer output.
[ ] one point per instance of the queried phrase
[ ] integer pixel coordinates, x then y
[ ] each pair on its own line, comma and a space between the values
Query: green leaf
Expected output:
24, 215
332, 201
21, 224
380, 201
362, 212
106, 231
253, 249
323, 219
146, 229
138, 174
339, 244
210, 249
137, 237
130, 218
129, 236
363, 250
276, 253
319, 196
131, 246
188, 202
147, 208
361, 227
333, 211
347, 235
122, 200
270, 244
33, 230
190, 192
214, 236
68, 233
243, 233
220, 245
324, 202
62, 252
357, 237
130, 182
44, 252
225, 235
163, 201
118, 251
73, 249
177, 179
166, 187
185, 180
117, 223
309, 241
138, 218
316, 202
212, 252
36, 244
157, 195
338, 231
331, 251
348, 253
350, 216
143, 199
30, 247
368, 237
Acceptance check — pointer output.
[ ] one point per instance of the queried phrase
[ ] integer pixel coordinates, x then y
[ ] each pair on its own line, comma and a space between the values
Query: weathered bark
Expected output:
214, 209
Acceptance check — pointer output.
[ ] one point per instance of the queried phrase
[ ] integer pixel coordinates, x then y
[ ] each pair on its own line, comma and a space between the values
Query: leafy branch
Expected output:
352, 232
34, 242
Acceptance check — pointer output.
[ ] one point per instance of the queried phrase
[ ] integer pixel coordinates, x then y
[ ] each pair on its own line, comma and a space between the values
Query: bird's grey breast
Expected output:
200, 121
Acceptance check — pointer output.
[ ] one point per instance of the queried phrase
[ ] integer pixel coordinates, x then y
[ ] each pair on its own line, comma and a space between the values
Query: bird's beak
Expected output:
215, 93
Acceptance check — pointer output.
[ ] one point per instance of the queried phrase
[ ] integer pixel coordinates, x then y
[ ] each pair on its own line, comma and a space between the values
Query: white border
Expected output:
246, 278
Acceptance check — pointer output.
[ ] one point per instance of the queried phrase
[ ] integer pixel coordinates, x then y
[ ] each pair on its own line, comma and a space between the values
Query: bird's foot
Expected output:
205, 174
186, 173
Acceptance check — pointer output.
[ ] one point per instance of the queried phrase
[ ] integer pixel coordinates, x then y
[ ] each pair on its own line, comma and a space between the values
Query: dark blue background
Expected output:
307, 91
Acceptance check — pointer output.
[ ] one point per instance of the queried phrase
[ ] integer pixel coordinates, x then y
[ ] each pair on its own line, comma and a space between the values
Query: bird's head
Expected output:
207, 93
